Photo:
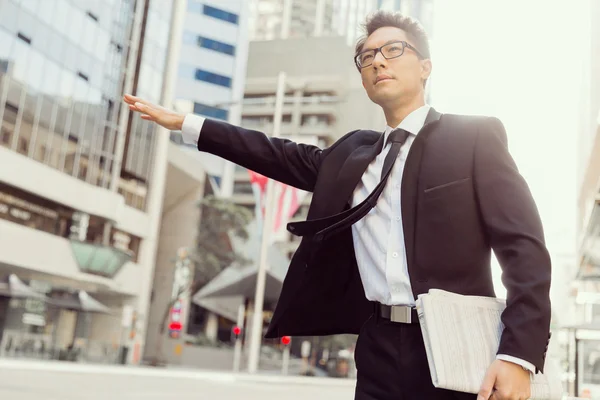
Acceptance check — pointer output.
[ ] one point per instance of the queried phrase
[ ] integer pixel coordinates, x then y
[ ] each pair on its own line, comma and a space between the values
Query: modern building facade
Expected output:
283, 19
77, 175
211, 76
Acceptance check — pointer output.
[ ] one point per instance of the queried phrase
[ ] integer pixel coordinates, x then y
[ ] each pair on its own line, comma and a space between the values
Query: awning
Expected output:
79, 301
98, 259
241, 280
12, 286
224, 306
235, 281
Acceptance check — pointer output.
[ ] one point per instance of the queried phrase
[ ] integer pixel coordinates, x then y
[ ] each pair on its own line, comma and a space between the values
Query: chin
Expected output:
382, 97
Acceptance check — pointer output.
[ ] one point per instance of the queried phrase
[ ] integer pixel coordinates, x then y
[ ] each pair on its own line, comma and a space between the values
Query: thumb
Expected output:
487, 386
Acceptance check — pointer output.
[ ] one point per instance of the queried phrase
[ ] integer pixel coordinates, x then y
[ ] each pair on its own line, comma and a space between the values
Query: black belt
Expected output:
400, 314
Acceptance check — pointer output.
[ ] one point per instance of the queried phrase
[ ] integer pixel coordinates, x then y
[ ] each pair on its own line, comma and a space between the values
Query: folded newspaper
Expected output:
462, 335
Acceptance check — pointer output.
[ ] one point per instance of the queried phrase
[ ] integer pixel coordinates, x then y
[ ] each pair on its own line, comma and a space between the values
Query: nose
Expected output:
379, 60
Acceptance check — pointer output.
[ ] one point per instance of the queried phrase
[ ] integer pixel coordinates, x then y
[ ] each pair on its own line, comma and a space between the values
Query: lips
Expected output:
382, 78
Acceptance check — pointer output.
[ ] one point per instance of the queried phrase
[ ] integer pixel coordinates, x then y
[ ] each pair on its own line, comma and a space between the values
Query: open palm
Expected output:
152, 112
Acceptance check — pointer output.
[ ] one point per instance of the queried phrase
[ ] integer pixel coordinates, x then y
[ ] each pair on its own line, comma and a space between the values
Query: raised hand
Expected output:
168, 119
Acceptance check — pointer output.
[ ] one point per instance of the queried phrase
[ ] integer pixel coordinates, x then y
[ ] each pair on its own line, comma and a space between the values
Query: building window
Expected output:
210, 77
242, 187
3, 65
23, 144
194, 6
216, 46
26, 209
220, 14
5, 136
209, 111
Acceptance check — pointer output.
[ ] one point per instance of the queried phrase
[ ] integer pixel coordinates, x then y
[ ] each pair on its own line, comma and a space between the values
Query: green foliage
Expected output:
220, 221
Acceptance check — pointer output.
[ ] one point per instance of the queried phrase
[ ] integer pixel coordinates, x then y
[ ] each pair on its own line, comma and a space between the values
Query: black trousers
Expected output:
392, 364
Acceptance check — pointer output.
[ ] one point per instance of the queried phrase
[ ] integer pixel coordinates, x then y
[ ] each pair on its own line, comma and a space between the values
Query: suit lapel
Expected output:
409, 189
351, 172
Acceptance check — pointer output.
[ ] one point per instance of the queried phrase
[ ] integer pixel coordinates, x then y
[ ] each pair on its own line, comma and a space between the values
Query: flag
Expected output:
287, 200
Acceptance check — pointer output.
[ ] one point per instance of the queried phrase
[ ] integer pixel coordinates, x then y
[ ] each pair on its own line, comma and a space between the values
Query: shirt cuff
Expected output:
190, 130
525, 364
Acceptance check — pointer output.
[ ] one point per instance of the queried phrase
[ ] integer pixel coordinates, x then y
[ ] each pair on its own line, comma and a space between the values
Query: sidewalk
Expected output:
176, 372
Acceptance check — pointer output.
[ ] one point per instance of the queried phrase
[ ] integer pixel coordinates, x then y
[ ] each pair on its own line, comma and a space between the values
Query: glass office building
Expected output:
75, 169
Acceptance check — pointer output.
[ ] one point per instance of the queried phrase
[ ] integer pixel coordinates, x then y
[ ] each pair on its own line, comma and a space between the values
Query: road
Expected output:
66, 381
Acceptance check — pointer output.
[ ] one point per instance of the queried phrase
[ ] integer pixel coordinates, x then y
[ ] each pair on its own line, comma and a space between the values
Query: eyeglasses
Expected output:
388, 51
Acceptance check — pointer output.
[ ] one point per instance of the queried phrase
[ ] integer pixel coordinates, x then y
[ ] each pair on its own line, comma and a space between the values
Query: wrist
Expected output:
179, 123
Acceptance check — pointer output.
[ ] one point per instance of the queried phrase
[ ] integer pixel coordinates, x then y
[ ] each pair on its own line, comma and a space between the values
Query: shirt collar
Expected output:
412, 123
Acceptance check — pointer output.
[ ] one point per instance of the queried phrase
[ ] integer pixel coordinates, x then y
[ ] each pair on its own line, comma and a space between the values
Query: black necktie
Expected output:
347, 218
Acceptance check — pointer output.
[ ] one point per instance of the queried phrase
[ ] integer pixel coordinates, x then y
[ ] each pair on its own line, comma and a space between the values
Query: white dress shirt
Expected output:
379, 236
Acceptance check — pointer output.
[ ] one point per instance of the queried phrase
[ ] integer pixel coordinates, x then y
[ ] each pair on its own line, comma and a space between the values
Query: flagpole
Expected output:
257, 317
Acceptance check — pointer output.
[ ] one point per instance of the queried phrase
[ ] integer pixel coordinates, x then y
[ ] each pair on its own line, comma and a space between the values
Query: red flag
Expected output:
287, 201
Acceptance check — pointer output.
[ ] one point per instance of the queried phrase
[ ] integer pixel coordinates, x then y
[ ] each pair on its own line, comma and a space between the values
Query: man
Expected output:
395, 214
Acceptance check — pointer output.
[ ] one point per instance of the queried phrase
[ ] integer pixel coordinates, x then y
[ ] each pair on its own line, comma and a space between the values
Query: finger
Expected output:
487, 387
143, 108
147, 117
129, 99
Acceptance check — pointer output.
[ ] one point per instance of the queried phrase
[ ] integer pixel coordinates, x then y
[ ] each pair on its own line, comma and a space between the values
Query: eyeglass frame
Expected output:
405, 45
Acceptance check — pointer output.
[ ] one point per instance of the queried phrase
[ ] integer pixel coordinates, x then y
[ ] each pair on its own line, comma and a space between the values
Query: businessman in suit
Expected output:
420, 205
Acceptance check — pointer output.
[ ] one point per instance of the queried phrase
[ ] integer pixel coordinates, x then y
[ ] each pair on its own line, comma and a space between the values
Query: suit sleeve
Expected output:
285, 161
515, 232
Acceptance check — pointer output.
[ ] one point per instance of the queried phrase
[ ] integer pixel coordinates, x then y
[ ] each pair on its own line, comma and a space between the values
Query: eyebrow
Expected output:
388, 42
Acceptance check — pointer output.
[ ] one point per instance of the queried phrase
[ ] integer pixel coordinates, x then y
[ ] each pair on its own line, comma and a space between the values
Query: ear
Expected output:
426, 69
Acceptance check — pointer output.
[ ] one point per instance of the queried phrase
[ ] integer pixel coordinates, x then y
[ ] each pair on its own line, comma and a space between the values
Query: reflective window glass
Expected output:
61, 20
67, 83
71, 56
6, 41
211, 77
27, 24
75, 25
46, 11
8, 16
220, 14
50, 82
56, 47
102, 43
31, 5
36, 67
19, 55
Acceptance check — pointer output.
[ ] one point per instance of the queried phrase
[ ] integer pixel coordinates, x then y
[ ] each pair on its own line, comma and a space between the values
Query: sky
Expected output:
521, 61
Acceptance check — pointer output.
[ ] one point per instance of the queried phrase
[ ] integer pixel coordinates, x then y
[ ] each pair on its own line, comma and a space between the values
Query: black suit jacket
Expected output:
461, 195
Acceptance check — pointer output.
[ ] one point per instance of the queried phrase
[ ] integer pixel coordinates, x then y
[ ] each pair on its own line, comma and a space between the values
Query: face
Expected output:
395, 80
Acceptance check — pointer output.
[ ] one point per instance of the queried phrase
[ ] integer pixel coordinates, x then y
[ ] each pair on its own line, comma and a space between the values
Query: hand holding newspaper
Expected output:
462, 336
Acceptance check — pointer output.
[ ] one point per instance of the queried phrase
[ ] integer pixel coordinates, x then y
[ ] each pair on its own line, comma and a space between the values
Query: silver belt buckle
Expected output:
401, 314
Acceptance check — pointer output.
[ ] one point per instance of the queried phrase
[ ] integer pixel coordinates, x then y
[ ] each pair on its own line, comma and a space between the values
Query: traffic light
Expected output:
285, 340
237, 331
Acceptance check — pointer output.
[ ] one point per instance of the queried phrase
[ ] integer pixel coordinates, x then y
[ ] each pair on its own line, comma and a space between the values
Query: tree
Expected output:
220, 221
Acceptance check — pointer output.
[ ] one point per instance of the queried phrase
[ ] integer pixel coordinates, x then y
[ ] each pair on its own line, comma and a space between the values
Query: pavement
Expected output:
52, 380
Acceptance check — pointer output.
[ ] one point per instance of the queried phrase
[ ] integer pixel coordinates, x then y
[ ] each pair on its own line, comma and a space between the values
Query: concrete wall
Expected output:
178, 228
323, 63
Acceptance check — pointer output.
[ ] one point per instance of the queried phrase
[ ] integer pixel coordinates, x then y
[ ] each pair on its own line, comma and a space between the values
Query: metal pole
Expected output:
124, 112
286, 19
149, 246
257, 317
237, 351
286, 360
576, 394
